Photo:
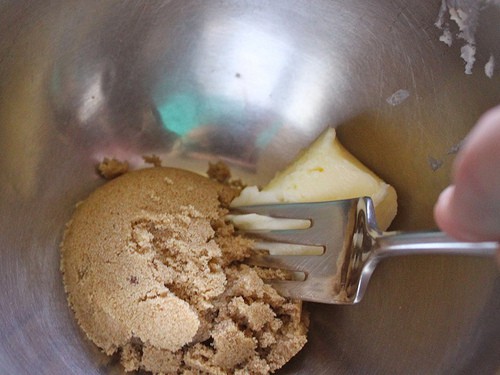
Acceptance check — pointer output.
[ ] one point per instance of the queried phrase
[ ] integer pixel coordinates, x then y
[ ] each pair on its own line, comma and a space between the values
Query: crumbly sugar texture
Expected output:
154, 274
220, 172
112, 168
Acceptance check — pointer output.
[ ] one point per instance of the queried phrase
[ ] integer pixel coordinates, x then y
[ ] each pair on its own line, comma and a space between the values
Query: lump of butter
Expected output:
325, 171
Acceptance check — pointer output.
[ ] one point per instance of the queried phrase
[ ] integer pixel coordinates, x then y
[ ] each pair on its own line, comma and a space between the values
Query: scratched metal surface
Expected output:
248, 82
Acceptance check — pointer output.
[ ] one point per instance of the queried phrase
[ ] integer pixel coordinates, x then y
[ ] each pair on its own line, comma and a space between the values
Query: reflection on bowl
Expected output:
248, 82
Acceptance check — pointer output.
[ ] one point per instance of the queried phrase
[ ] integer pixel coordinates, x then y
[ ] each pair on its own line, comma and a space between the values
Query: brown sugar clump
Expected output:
220, 172
154, 273
154, 160
111, 168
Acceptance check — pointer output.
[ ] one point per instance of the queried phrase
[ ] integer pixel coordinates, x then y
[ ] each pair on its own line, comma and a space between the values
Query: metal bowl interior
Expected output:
250, 83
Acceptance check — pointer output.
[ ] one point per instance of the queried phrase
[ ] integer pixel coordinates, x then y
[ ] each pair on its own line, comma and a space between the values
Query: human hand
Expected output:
469, 209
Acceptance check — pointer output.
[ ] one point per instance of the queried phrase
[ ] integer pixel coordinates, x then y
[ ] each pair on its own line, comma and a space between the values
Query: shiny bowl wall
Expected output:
250, 83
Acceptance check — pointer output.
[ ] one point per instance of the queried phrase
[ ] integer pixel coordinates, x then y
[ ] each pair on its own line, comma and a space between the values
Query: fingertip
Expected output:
442, 209
468, 210
491, 115
447, 218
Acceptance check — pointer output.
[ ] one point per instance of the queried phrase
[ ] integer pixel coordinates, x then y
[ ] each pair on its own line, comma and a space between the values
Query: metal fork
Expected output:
349, 242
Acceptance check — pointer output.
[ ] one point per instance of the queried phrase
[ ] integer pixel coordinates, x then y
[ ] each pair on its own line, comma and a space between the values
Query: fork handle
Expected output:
412, 243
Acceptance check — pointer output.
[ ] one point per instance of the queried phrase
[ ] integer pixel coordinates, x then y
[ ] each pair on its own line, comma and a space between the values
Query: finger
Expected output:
449, 216
470, 209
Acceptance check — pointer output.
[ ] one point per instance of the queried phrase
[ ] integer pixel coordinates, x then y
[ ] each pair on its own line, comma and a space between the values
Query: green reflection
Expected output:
180, 113
183, 112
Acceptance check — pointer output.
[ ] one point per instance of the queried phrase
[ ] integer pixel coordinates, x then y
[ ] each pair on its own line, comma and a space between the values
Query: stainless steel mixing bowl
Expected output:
248, 82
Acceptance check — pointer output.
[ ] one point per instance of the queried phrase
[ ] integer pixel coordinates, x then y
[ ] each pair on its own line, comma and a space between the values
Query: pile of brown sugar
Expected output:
154, 273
